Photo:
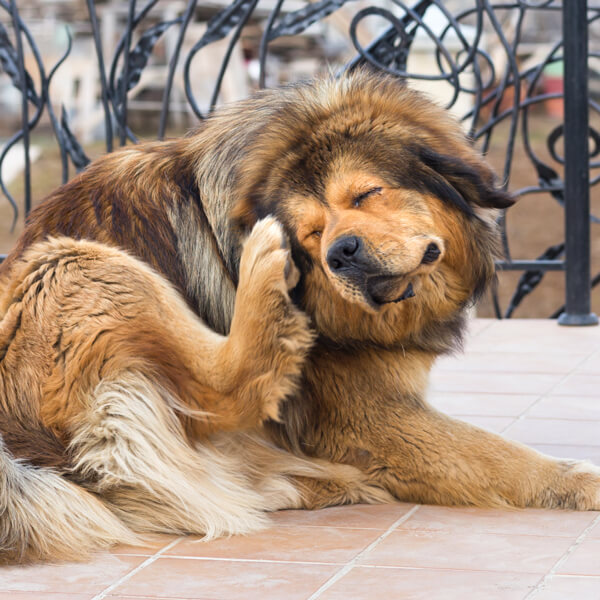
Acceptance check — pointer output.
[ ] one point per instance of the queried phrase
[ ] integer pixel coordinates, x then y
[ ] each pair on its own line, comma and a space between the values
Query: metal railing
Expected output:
466, 66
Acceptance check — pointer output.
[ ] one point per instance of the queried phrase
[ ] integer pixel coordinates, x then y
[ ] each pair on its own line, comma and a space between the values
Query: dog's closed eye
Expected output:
358, 200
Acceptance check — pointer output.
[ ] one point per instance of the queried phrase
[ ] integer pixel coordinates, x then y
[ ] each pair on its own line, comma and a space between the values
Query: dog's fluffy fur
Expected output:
197, 331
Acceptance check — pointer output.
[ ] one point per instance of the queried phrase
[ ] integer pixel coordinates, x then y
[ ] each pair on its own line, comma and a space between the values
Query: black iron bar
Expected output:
577, 193
125, 80
24, 105
232, 42
108, 132
531, 265
162, 125
264, 41
113, 93
58, 132
40, 103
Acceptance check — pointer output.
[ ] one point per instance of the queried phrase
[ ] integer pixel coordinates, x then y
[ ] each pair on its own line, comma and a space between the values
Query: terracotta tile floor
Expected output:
532, 381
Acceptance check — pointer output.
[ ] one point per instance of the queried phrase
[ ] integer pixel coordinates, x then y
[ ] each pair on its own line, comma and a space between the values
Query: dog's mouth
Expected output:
383, 289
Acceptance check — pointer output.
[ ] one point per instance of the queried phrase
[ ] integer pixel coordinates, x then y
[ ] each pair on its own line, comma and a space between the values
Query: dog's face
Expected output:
389, 211
370, 241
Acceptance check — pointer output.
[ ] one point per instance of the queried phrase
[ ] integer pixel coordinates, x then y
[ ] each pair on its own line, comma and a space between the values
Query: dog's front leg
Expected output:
425, 456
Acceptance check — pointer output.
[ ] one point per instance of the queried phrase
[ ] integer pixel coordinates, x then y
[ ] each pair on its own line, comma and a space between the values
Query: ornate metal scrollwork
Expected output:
476, 51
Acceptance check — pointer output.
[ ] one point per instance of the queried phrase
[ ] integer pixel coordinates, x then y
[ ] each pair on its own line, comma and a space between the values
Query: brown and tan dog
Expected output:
149, 338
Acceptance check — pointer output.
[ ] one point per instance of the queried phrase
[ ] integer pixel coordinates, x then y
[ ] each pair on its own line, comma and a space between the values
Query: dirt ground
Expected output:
533, 224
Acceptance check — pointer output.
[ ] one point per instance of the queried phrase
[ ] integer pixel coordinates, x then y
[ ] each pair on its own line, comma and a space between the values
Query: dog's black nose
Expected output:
432, 252
344, 253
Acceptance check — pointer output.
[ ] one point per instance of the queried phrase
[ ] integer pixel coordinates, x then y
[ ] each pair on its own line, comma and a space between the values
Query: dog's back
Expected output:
146, 201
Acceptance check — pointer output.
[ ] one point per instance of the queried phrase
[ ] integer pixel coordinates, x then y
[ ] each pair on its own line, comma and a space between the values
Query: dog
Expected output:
199, 331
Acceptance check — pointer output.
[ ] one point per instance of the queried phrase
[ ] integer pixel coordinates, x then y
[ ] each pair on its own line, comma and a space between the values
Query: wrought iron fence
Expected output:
501, 92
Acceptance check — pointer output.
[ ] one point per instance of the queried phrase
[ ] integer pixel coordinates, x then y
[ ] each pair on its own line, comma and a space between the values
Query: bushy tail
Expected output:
43, 516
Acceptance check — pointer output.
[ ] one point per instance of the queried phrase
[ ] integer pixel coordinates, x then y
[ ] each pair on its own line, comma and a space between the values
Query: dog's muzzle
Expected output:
349, 259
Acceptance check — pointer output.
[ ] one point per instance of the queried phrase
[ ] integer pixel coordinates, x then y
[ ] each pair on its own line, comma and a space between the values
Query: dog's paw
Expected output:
582, 485
589, 475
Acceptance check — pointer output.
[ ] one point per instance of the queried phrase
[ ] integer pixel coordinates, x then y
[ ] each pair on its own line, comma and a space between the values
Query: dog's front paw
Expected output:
277, 334
586, 478
578, 487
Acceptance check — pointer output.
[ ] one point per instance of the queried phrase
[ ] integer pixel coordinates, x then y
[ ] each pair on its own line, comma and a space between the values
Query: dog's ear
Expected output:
466, 184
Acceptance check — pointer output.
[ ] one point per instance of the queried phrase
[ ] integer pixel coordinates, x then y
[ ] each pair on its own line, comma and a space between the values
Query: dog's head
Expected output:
390, 212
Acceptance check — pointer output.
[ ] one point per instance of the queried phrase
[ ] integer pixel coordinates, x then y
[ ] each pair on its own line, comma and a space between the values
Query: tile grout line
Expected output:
253, 560
552, 572
475, 415
349, 566
137, 569
341, 564
546, 394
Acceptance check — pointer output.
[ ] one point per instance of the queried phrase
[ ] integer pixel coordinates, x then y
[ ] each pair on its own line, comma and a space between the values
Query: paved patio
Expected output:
532, 381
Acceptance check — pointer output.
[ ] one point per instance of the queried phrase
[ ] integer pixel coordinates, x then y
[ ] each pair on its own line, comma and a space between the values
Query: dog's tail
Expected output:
43, 516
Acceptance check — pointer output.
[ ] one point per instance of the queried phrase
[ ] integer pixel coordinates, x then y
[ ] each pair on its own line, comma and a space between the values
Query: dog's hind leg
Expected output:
269, 336
103, 352
98, 310
99, 350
